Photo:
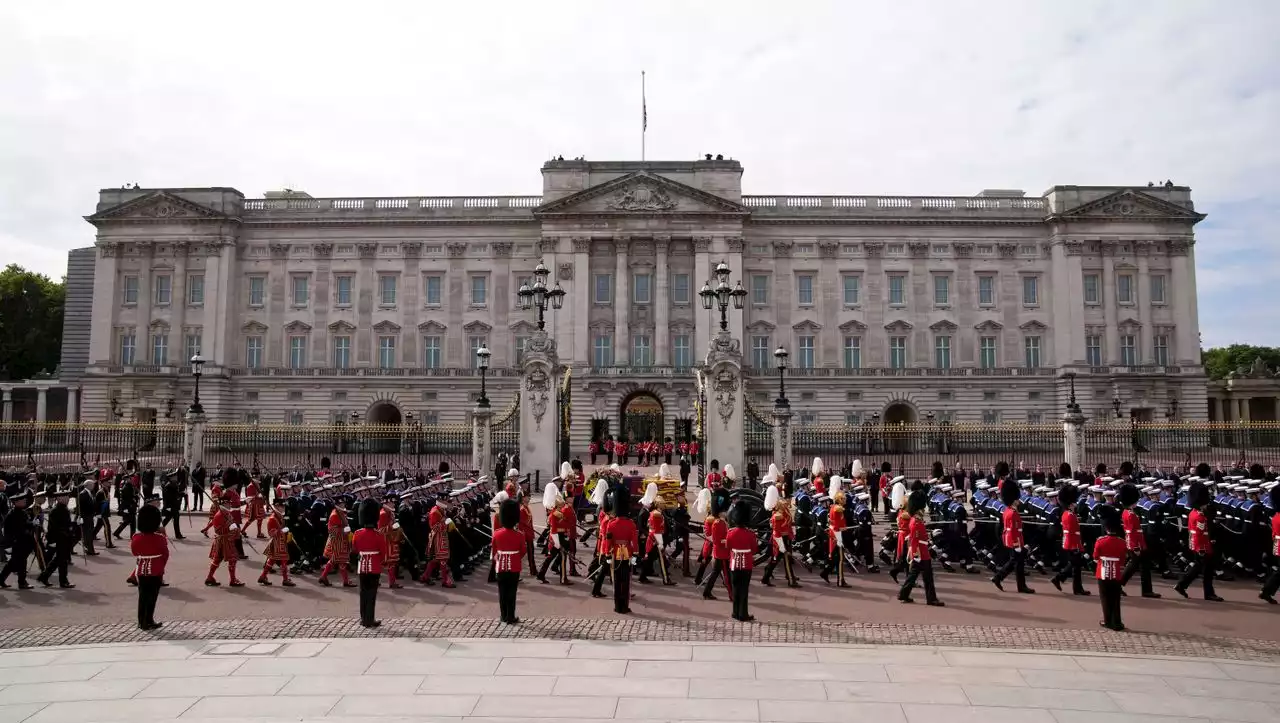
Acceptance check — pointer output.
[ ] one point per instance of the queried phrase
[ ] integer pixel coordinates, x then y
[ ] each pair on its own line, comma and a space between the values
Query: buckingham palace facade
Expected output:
973, 308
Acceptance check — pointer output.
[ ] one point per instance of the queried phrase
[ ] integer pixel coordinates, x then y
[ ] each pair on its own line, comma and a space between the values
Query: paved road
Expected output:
487, 680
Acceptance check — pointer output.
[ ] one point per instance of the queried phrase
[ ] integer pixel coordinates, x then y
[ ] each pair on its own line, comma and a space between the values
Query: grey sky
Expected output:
422, 98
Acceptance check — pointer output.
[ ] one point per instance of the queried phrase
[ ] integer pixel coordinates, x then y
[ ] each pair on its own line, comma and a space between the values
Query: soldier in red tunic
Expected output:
277, 550
337, 549
918, 553
255, 508
655, 540
1135, 539
777, 500
372, 549
743, 548
438, 544
390, 529
558, 534
1072, 545
624, 544
1009, 494
215, 494
835, 536
1109, 553
526, 526
1199, 526
1272, 584
718, 536
508, 550
223, 549
150, 549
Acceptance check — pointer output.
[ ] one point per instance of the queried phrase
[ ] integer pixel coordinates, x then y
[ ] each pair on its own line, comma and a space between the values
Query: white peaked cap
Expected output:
857, 468
498, 499
728, 472
566, 469
550, 495
702, 505
615, 467
771, 498
834, 487
773, 472
597, 495
817, 467
650, 494
664, 471
513, 472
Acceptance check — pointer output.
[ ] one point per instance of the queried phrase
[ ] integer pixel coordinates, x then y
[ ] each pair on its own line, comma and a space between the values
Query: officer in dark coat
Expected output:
87, 510
19, 535
148, 482
171, 501
127, 498
61, 536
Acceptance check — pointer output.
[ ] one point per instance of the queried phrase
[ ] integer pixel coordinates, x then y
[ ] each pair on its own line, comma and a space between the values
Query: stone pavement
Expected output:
492, 680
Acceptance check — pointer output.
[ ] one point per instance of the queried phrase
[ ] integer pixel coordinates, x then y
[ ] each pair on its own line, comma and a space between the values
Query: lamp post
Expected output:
1115, 402
1072, 405
197, 368
355, 422
780, 359
539, 296
722, 295
415, 424
482, 361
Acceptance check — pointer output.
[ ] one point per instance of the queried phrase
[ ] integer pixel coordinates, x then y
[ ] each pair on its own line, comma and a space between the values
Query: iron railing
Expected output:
60, 445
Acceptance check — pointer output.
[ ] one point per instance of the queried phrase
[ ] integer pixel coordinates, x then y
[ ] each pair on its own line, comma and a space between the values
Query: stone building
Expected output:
966, 308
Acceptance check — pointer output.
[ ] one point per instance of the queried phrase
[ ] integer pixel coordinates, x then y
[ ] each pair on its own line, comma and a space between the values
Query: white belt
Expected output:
148, 557
365, 554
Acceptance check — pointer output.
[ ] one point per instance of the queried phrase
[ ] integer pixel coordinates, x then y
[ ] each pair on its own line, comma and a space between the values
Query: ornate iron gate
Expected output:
700, 420
564, 418
504, 431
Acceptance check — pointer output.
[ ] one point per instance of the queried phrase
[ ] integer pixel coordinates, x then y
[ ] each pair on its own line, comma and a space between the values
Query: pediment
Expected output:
1129, 323
601, 326
160, 324
432, 327
339, 327
1130, 204
387, 327
477, 327
853, 325
990, 326
297, 327
642, 193
522, 328
943, 327
898, 326
806, 326
158, 206
254, 327
761, 327
1033, 326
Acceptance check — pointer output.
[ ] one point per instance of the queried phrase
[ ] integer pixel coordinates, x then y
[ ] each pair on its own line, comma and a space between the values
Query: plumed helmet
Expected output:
886, 467
566, 469
917, 501
550, 495
1111, 520
1009, 491
1203, 470
856, 470
149, 519
664, 471
597, 494
719, 501
509, 514
1100, 468
816, 468
936, 471
771, 497
369, 510
1064, 471
1198, 494
837, 483
1257, 471
1069, 494
650, 494
729, 473
1128, 495
620, 502
513, 472
1002, 469
774, 472
1126, 468
702, 505
740, 514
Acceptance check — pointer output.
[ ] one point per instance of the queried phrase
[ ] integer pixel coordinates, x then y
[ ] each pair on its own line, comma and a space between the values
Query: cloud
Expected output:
918, 98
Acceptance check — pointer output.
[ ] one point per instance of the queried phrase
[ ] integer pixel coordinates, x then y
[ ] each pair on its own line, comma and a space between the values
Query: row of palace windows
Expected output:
162, 290
806, 357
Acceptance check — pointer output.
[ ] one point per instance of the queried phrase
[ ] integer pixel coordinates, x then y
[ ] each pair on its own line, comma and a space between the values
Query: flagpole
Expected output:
644, 116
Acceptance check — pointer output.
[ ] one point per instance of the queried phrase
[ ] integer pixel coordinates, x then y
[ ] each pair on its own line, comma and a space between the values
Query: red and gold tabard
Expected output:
393, 535
439, 534
277, 549
224, 538
338, 547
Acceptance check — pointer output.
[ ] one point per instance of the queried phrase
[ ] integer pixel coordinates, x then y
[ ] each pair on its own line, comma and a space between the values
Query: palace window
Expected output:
521, 342
642, 291
431, 289
195, 289
479, 290
990, 416
804, 289
1030, 290
1128, 350
759, 290
1032, 347
1160, 355
942, 290
1091, 286
683, 355
160, 349
852, 284
297, 352
341, 352
164, 290
805, 357
1124, 288
853, 419
853, 352
474, 343
604, 289
295, 418
1093, 350
301, 290
760, 352
942, 352
386, 352
897, 290
387, 290
1035, 417
192, 346
253, 352
898, 352
130, 291
680, 288
1157, 289
987, 352
342, 294
431, 352
641, 351
602, 350
986, 290
257, 290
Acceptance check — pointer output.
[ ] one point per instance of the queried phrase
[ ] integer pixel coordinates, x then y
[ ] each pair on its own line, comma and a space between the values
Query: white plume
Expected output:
858, 471
817, 467
771, 498
549, 495
728, 472
566, 470
498, 499
650, 494
664, 471
597, 495
834, 486
774, 472
702, 505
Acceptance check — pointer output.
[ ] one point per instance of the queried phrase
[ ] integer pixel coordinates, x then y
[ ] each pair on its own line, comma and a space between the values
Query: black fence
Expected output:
347, 446
58, 445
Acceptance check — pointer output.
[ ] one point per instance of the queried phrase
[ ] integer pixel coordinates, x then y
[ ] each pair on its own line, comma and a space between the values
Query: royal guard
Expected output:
1272, 583
819, 481
438, 544
712, 481
693, 450
235, 507
835, 535
593, 449
684, 448
1136, 539
150, 550
918, 553
1109, 553
883, 483
508, 549
717, 534
777, 501
1198, 535
215, 494
572, 486
624, 544
1010, 492
372, 549
558, 532
338, 547
654, 541
526, 525
277, 550
255, 508
902, 553
743, 548
389, 528
1072, 544
600, 565
223, 549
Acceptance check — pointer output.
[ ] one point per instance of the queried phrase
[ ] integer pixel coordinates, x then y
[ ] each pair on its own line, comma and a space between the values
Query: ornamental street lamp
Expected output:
780, 359
538, 295
1115, 402
482, 361
1072, 406
197, 368
722, 295
355, 422
416, 426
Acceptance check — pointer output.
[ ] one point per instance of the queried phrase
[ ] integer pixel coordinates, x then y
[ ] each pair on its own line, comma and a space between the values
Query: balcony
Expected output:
267, 210
1135, 369
949, 207
363, 372
829, 372
639, 371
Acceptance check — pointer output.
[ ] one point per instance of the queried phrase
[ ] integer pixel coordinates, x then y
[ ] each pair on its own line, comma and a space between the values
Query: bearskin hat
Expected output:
918, 500
1126, 468
719, 502
1203, 470
325, 463
1010, 491
886, 467
1197, 495
1257, 471
369, 510
1064, 471
740, 514
620, 501
509, 514
1068, 494
917, 486
1100, 469
1111, 520
443, 467
1128, 495
577, 466
936, 471
149, 519
1002, 469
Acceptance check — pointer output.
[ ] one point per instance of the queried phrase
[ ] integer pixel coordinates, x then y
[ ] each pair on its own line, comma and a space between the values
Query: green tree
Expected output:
30, 322
1221, 361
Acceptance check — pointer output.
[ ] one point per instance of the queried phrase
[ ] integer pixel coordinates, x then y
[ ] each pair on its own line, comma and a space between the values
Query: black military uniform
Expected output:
148, 482
61, 536
102, 503
171, 500
753, 474
87, 510
127, 498
19, 535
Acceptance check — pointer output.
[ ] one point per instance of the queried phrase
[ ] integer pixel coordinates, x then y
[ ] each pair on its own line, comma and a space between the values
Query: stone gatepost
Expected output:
782, 436
193, 438
538, 407
481, 439
1073, 436
723, 418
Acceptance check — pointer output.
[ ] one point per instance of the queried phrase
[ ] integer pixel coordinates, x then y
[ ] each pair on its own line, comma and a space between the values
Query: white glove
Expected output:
1017, 549
555, 541
395, 526
782, 545
234, 527
284, 530
346, 529
839, 540
658, 539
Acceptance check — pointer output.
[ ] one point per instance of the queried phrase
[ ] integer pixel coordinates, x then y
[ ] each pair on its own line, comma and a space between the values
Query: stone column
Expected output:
1111, 355
105, 304
193, 438
723, 417
661, 299
782, 436
1073, 450
1185, 340
702, 327
1242, 406
1215, 409
737, 318
622, 304
178, 304
1145, 353
581, 299
146, 293
42, 412
7, 405
73, 414
538, 392
828, 299
481, 438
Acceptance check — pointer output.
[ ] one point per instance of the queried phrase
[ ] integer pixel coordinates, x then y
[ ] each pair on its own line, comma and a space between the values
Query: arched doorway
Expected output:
386, 419
899, 413
642, 417
899, 432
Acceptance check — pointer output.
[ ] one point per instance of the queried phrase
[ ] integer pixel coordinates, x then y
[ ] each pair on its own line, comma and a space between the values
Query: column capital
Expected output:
581, 244
702, 244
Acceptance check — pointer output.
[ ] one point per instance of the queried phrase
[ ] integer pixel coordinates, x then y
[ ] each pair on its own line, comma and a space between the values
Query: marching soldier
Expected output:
1109, 553
150, 549
654, 542
372, 549
903, 553
61, 536
171, 495
277, 551
782, 529
390, 529
127, 498
1072, 545
337, 548
1013, 540
835, 536
624, 542
702, 508
1135, 539
223, 549
1198, 526
1272, 584
600, 566
917, 551
87, 511
717, 536
255, 508
508, 549
20, 534
743, 547
438, 544
558, 532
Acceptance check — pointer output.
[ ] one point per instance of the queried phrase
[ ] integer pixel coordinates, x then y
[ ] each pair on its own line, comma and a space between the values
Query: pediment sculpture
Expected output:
641, 197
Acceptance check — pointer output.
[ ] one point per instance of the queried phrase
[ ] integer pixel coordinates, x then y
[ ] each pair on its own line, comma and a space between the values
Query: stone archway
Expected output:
385, 417
643, 417
899, 432
899, 413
